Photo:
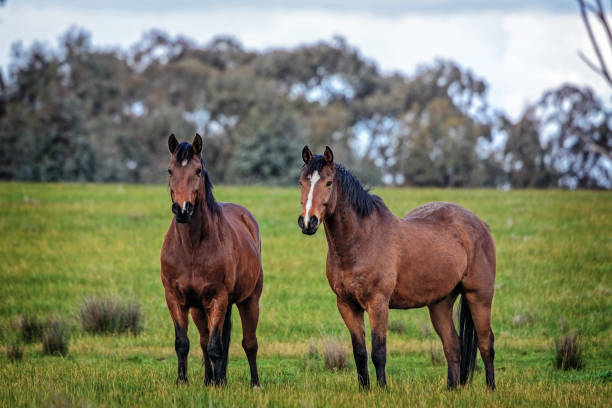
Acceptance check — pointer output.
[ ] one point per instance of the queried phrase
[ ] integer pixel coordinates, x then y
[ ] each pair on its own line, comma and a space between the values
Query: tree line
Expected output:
80, 113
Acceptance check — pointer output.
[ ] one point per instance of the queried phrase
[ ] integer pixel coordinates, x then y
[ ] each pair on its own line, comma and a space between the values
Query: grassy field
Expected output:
60, 243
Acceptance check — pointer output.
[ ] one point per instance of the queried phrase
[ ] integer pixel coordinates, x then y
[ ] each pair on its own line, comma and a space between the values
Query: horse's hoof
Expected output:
219, 383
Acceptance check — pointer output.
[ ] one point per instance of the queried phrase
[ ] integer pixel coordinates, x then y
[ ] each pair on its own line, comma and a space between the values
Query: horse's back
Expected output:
442, 243
241, 219
474, 233
438, 211
443, 213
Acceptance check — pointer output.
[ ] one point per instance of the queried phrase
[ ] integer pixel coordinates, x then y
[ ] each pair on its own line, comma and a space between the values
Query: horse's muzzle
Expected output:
311, 228
182, 215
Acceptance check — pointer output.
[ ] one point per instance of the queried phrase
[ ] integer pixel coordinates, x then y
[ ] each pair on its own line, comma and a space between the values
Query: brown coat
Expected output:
377, 261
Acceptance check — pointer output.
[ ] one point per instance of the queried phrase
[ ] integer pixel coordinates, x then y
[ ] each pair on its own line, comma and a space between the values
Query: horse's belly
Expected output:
428, 278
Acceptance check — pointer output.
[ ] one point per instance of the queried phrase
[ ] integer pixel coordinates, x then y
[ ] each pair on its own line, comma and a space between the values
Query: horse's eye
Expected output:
329, 183
169, 172
198, 172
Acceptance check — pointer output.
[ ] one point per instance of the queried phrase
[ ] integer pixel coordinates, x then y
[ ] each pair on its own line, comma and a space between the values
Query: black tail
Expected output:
468, 341
225, 336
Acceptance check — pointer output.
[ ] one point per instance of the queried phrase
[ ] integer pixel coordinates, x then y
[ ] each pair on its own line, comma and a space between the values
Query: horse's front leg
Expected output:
352, 315
199, 318
181, 342
378, 310
216, 312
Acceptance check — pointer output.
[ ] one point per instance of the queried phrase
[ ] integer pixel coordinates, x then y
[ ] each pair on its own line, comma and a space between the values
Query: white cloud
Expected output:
520, 53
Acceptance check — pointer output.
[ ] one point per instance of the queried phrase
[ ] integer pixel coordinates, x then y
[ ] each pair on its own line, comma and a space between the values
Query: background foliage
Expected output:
77, 112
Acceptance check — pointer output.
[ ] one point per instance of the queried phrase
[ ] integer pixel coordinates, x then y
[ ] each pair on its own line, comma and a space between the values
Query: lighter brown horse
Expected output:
210, 260
376, 261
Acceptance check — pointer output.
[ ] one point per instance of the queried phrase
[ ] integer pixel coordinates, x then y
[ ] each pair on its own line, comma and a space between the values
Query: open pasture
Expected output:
61, 243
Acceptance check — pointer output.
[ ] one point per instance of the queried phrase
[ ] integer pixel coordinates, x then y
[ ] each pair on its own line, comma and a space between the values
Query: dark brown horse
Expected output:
376, 261
210, 259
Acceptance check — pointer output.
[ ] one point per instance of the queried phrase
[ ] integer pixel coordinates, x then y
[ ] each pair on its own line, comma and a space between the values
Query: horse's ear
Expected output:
328, 156
172, 143
306, 155
197, 144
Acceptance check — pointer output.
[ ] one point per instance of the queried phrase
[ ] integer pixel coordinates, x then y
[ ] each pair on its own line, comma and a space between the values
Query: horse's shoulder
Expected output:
237, 211
240, 217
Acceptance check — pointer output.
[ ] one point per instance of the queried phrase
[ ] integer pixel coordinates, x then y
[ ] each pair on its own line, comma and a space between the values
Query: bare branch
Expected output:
594, 147
602, 65
590, 64
601, 14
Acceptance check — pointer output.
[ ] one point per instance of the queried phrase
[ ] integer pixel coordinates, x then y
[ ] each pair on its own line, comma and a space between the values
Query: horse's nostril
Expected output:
313, 222
176, 209
301, 222
188, 208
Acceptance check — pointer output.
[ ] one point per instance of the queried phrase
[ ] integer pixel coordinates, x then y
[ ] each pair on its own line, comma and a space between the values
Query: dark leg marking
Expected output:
488, 358
208, 371
215, 353
181, 345
379, 358
360, 353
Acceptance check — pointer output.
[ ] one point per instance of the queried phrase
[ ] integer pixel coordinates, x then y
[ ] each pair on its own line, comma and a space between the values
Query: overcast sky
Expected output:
520, 47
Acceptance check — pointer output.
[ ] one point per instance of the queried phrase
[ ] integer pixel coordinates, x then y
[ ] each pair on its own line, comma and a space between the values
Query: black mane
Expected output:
184, 151
360, 198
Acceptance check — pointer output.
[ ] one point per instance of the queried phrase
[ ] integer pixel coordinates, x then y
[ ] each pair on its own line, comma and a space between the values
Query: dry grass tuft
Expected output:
602, 290
313, 351
437, 355
30, 328
569, 352
427, 331
109, 315
334, 354
397, 326
14, 352
56, 337
523, 319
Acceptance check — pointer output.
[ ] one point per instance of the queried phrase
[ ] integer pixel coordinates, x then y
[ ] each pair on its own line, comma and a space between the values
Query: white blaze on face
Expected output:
184, 163
184, 205
314, 177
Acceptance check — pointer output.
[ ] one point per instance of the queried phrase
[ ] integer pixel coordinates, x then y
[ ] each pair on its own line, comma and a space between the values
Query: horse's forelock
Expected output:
184, 151
359, 197
316, 164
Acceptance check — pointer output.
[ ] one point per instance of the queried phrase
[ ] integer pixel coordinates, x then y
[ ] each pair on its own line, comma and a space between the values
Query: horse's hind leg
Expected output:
378, 311
441, 314
480, 308
199, 318
249, 317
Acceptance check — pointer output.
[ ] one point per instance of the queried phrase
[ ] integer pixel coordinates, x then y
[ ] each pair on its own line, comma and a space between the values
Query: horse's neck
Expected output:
199, 229
343, 229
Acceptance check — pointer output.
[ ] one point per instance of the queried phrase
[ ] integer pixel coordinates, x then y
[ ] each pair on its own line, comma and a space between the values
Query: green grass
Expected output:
62, 243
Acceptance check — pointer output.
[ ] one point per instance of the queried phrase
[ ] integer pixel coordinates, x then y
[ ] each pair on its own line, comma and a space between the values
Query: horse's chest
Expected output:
350, 284
193, 276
